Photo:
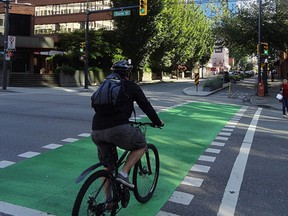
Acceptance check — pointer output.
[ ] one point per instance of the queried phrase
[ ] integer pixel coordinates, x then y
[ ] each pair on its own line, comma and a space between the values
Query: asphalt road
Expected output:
36, 117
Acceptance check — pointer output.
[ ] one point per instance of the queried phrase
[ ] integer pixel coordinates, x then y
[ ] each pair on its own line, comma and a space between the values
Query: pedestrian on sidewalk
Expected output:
284, 90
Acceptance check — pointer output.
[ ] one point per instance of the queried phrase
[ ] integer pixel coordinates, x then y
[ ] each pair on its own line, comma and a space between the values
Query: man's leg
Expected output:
132, 159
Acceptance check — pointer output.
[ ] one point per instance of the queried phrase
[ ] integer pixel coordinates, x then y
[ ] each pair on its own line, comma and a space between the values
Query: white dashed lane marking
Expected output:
52, 146
207, 158
29, 154
186, 198
163, 213
191, 181
221, 138
5, 163
224, 134
221, 144
84, 135
212, 150
200, 168
70, 140
181, 198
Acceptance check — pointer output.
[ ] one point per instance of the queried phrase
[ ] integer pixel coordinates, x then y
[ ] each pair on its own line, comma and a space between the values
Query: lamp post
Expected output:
259, 43
86, 66
5, 51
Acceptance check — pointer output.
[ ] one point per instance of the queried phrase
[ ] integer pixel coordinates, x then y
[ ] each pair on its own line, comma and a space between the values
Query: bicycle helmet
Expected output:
123, 68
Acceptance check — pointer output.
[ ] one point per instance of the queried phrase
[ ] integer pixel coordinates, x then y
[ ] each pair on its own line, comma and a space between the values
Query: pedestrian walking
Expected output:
284, 91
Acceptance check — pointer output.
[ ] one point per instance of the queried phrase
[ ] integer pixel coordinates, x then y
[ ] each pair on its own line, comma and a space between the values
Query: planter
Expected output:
72, 80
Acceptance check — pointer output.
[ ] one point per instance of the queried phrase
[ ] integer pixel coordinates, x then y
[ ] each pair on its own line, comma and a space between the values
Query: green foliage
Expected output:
104, 48
213, 83
171, 34
65, 69
239, 28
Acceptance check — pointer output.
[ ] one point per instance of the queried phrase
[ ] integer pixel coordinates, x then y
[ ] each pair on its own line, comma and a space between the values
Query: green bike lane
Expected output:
47, 182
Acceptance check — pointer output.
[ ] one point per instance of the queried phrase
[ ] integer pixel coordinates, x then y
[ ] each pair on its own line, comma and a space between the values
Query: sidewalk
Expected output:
268, 101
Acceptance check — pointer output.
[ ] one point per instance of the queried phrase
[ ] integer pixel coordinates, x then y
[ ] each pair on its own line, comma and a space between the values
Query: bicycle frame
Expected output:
87, 171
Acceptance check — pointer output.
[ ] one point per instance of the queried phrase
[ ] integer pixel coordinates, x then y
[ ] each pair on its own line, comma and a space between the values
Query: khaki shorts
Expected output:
124, 136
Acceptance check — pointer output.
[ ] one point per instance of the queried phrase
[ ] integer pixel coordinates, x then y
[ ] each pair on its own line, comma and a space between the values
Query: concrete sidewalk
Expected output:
268, 101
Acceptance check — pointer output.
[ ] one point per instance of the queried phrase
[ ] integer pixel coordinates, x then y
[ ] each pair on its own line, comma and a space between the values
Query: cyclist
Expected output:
109, 131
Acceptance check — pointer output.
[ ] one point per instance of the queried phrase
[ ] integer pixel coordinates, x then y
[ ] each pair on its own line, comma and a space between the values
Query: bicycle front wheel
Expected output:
96, 196
145, 174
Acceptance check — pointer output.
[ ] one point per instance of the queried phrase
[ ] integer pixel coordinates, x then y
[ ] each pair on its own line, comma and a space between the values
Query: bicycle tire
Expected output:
91, 198
145, 182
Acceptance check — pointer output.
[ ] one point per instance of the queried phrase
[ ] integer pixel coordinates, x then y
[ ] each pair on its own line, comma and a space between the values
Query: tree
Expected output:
240, 29
104, 48
171, 34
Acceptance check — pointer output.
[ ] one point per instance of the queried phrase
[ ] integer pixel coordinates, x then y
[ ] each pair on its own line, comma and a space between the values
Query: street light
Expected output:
259, 42
6, 31
86, 67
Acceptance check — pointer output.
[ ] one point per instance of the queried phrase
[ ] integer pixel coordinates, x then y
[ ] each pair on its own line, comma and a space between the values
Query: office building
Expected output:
59, 16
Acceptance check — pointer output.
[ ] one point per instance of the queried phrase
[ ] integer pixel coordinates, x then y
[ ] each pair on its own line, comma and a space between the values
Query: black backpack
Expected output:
106, 98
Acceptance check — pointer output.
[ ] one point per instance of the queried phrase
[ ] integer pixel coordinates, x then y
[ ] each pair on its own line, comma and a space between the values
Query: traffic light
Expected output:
265, 48
82, 50
142, 7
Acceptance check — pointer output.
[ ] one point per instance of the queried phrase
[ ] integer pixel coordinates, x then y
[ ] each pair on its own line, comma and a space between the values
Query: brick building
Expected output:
21, 26
36, 24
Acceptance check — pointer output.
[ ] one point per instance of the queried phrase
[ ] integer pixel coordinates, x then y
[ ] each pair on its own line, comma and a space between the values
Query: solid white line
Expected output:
11, 209
232, 190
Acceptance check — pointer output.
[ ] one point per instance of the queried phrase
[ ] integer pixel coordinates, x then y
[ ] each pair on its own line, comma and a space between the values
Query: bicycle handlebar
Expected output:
145, 124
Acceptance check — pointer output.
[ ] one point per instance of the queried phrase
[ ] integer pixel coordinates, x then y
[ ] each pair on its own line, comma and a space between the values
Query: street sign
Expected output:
122, 13
11, 42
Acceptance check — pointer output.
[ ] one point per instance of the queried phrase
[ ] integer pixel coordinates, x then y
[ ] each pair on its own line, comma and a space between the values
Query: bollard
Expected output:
261, 89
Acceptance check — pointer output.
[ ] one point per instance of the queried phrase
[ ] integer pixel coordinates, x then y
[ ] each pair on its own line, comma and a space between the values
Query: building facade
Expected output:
59, 16
21, 27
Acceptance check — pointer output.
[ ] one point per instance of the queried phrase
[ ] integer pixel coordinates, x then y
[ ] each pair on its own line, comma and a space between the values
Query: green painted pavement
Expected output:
46, 182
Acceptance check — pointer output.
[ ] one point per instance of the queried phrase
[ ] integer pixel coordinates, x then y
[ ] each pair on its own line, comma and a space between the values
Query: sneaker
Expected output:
124, 181
284, 116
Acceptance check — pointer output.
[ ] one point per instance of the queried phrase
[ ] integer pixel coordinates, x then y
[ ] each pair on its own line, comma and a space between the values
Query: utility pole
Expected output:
259, 42
86, 67
5, 52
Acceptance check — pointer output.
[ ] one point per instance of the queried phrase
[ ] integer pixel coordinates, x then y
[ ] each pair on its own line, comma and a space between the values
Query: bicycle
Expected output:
101, 194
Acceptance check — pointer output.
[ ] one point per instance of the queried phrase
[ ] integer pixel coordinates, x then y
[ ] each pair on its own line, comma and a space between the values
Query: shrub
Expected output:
65, 69
214, 83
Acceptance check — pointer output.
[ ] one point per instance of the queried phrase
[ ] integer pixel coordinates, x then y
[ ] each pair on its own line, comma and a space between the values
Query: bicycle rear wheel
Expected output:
145, 174
95, 196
